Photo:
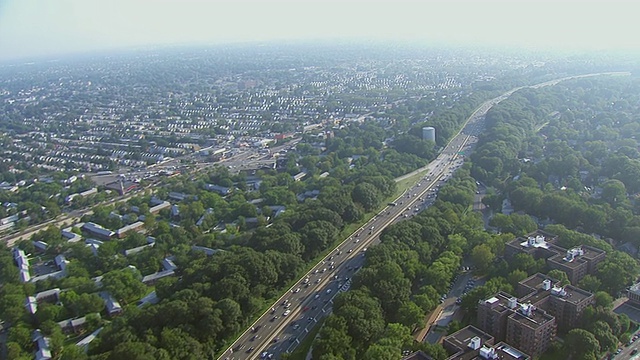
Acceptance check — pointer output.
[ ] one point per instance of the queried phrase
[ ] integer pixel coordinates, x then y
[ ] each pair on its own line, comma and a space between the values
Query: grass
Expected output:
300, 353
407, 183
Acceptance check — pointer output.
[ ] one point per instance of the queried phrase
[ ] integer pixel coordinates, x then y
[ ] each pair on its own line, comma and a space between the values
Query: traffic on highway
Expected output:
282, 327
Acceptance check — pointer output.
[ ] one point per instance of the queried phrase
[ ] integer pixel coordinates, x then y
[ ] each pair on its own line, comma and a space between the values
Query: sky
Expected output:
50, 28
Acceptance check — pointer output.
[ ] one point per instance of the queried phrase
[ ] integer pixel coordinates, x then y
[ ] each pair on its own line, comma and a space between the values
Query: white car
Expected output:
286, 312
296, 290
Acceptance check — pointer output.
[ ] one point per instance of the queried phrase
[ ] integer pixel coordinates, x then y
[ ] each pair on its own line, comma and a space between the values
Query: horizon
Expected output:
30, 29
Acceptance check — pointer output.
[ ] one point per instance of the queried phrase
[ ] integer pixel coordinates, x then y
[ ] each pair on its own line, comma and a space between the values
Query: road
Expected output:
60, 221
249, 159
311, 297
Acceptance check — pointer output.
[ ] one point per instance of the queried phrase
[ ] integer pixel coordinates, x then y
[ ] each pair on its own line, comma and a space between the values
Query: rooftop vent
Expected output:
513, 303
488, 353
475, 343
558, 291
527, 309
546, 285
573, 253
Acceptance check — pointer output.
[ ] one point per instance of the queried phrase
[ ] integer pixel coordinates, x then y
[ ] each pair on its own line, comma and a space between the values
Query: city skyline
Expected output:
30, 28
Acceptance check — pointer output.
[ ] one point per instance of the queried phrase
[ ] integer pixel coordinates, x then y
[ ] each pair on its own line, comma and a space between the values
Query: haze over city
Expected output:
292, 180
31, 28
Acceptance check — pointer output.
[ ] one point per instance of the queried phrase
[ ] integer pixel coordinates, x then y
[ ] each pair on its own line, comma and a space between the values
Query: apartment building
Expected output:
576, 262
530, 321
471, 343
565, 303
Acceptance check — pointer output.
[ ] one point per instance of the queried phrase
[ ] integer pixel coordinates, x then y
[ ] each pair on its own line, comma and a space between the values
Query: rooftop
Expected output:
462, 340
530, 316
498, 302
535, 281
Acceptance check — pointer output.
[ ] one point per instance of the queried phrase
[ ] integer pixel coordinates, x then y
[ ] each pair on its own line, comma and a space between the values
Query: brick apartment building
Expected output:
529, 321
471, 343
576, 262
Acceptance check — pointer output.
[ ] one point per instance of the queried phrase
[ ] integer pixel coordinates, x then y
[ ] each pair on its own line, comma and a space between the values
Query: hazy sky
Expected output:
52, 27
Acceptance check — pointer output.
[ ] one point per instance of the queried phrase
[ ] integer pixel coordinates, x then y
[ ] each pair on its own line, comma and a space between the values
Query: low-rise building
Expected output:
206, 250
122, 232
22, 262
74, 325
111, 304
51, 295
221, 190
157, 208
97, 231
42, 345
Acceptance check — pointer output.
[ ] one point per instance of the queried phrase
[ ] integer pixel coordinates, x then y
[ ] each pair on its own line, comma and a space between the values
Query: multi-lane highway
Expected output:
310, 298
281, 328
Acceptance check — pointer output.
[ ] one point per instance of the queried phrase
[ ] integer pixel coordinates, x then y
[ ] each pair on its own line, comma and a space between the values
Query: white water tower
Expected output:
429, 133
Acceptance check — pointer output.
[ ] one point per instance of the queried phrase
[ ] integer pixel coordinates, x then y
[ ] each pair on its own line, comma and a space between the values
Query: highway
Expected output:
311, 297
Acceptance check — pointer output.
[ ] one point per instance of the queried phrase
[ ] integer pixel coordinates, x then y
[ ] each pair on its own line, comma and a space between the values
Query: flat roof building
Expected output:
531, 329
97, 231
157, 208
122, 232
471, 343
576, 262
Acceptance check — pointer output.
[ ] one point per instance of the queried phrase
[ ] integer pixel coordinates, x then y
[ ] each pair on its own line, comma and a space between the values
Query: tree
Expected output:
617, 271
482, 257
124, 285
382, 352
137, 351
603, 300
367, 195
590, 283
560, 276
516, 276
410, 315
582, 344
334, 339
73, 353
614, 192
604, 335
180, 345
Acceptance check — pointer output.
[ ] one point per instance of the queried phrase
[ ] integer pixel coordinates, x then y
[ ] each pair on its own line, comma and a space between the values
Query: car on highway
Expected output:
328, 291
286, 312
